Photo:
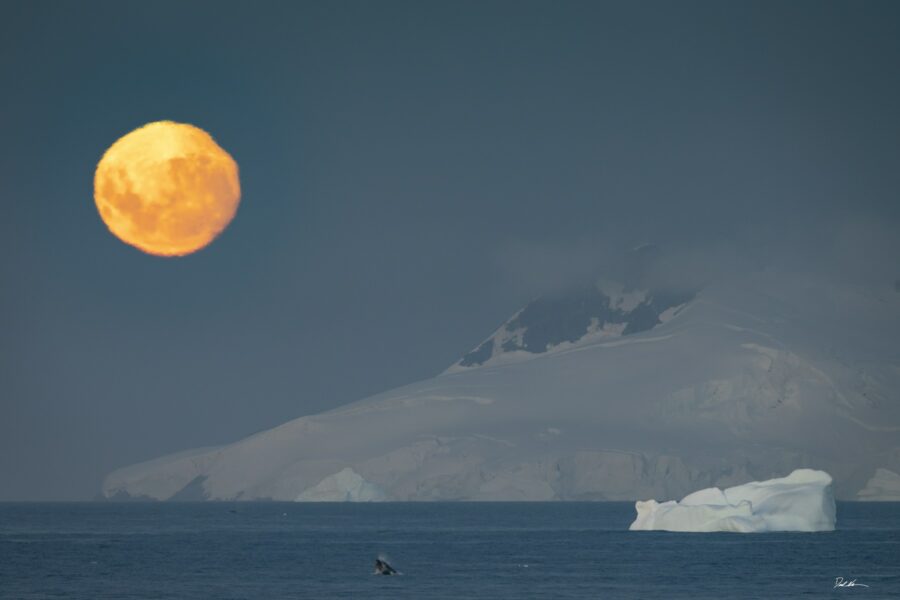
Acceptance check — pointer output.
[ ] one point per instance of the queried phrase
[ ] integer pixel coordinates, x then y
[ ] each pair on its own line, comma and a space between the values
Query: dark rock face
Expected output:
551, 320
480, 354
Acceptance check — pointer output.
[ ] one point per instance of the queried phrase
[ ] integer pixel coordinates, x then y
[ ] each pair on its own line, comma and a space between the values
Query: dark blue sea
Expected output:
459, 551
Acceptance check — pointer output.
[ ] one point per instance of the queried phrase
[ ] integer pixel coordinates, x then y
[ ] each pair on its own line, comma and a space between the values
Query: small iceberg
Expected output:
884, 486
802, 501
344, 486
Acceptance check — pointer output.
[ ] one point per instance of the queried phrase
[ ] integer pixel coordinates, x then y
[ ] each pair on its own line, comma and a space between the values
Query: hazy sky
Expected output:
412, 173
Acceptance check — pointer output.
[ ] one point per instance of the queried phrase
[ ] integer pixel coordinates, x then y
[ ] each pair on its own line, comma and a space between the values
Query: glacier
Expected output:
802, 501
619, 393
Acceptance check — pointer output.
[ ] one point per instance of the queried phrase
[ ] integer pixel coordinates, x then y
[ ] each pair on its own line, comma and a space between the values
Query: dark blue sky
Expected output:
412, 173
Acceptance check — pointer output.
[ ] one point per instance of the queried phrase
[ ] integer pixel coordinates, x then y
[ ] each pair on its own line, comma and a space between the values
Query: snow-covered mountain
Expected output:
603, 392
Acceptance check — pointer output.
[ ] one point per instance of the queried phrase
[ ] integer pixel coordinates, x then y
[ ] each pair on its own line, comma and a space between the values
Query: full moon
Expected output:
167, 188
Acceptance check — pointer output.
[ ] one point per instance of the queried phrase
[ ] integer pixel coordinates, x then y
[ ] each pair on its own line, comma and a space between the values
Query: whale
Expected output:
383, 568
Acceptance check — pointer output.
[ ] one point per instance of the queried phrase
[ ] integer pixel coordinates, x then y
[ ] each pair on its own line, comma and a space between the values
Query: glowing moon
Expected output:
167, 188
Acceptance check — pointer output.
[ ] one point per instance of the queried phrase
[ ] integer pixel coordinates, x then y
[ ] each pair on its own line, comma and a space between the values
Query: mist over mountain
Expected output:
580, 312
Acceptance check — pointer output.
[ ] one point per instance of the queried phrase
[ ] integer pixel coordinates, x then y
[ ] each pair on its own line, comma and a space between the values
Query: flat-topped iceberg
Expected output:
802, 501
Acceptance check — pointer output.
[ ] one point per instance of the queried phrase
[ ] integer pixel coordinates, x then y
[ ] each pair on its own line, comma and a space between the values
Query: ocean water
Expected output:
459, 551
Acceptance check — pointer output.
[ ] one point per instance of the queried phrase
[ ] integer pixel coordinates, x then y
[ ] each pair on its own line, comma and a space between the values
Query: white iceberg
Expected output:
802, 501
884, 486
344, 486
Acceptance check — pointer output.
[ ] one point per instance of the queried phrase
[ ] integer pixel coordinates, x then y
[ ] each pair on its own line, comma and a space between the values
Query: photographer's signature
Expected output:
841, 582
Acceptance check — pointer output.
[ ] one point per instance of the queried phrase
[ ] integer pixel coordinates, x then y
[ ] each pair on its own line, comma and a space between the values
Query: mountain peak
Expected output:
578, 315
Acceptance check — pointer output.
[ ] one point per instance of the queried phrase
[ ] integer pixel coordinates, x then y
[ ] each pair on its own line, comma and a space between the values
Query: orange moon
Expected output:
167, 188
